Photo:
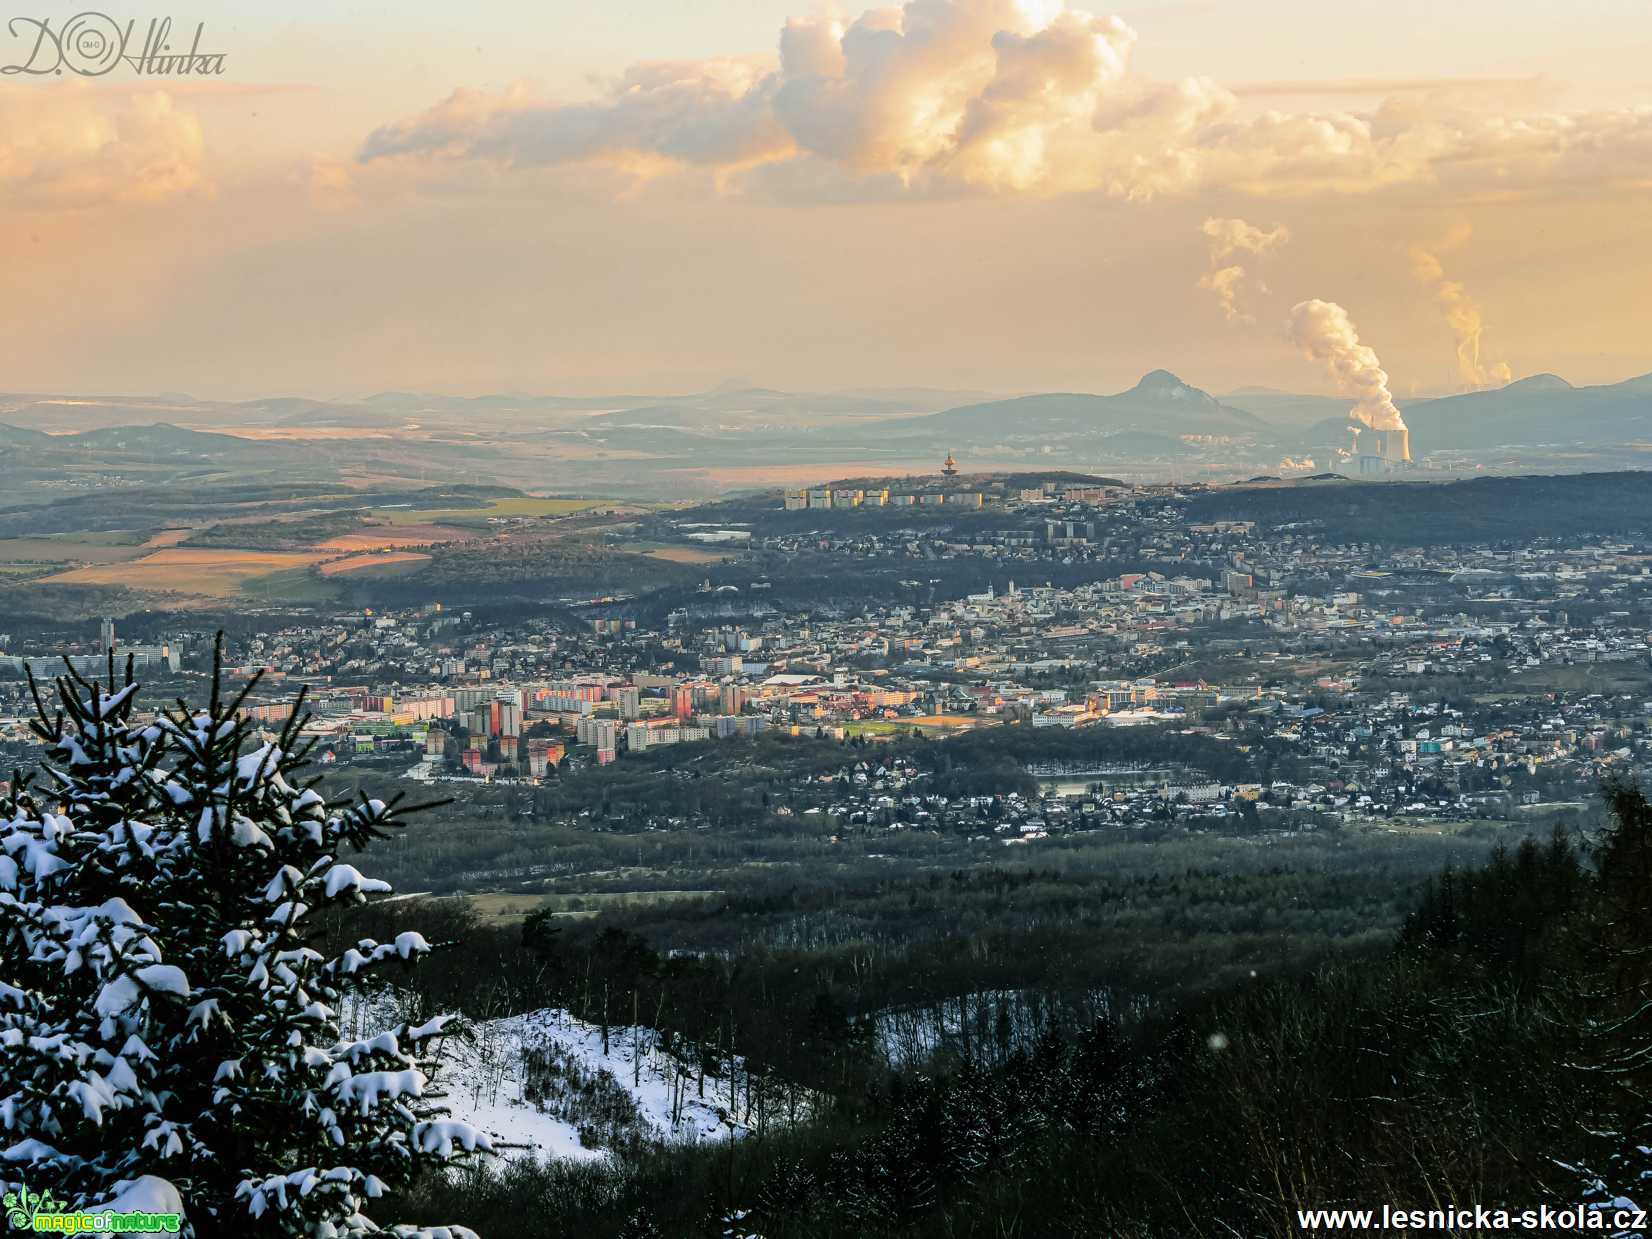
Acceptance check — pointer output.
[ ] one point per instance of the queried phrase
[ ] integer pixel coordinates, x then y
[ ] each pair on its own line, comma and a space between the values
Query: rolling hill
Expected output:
1161, 405
1544, 408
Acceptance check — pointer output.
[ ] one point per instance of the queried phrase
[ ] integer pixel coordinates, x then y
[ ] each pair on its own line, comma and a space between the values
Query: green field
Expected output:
519, 505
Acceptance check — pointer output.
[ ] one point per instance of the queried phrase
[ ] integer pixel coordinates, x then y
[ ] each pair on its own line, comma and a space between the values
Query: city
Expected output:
970, 619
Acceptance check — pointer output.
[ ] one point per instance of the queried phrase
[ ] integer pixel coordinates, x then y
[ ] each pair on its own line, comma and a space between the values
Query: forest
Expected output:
1514, 510
1488, 1050
1143, 1032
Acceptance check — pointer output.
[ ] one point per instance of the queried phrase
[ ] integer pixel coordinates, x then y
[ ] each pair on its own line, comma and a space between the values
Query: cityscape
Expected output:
970, 619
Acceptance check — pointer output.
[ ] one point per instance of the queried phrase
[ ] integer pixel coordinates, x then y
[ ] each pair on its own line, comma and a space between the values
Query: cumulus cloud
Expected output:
1226, 238
1234, 236
717, 113
71, 146
1027, 96
1323, 331
1462, 315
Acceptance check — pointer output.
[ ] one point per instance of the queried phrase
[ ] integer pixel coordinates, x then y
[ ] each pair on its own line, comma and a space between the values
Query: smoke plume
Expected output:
1229, 237
1462, 314
1323, 331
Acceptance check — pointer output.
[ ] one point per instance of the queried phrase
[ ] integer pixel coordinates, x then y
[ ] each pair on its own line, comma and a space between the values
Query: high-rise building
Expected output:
106, 635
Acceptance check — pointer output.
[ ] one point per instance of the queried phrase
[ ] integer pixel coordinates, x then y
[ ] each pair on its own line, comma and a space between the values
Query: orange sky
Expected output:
957, 193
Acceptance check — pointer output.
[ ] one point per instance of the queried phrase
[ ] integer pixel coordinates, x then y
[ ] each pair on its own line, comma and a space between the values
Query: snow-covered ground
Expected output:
532, 1082
487, 1083
990, 1024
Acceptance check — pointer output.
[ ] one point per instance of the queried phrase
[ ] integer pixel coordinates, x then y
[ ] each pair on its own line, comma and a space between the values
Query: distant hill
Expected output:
20, 437
1287, 410
1514, 510
153, 452
1161, 405
161, 438
1544, 408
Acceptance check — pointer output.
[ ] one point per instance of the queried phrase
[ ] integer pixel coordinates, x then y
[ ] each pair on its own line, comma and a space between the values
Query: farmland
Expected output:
370, 559
190, 570
503, 507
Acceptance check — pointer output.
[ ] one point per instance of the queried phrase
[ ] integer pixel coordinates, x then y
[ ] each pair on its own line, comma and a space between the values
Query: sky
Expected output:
985, 195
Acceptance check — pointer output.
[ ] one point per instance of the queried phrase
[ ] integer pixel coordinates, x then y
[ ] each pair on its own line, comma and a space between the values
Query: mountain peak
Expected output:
1163, 385
1540, 382
1160, 381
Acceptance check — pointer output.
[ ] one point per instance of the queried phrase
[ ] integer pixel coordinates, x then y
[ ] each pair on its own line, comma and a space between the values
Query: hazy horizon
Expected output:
979, 195
1313, 386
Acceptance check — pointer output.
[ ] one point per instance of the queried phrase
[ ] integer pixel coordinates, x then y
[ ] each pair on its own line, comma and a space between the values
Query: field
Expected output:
212, 573
516, 505
1612, 677
688, 555
302, 434
396, 534
98, 549
370, 559
928, 724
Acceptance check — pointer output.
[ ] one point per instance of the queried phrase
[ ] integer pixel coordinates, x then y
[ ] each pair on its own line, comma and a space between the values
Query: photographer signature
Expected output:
95, 44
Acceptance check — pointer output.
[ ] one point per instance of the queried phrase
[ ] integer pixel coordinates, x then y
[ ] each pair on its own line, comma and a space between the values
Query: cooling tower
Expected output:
1395, 445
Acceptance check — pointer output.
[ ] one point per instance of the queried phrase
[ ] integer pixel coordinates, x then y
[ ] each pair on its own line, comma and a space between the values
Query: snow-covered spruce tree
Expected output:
1616, 1067
164, 1021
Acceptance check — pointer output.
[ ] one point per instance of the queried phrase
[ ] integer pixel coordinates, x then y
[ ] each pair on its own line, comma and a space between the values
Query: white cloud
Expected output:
947, 96
70, 146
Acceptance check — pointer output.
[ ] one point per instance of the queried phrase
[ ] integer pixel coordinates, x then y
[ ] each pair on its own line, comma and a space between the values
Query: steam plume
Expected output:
1224, 282
1233, 236
1463, 315
1323, 330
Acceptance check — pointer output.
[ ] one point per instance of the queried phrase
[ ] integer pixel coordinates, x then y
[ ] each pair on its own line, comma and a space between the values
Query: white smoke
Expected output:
1228, 237
1462, 314
1225, 282
1323, 331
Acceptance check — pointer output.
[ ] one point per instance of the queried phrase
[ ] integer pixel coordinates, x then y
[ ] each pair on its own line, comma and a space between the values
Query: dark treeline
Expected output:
785, 964
740, 783
1002, 753
839, 584
1493, 1053
1499, 510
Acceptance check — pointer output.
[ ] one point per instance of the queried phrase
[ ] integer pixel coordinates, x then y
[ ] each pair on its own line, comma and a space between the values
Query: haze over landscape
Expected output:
770, 619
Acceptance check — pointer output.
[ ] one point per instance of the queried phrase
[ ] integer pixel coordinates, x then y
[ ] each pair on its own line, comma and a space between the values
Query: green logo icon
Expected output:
22, 1206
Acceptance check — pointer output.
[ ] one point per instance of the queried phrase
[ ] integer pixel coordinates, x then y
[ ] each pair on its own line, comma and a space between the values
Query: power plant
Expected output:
1377, 453
1382, 444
